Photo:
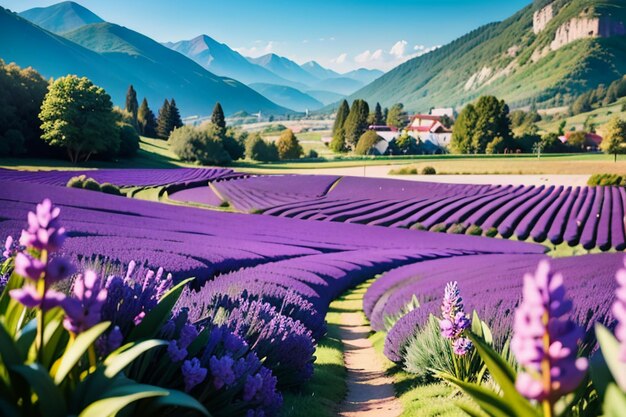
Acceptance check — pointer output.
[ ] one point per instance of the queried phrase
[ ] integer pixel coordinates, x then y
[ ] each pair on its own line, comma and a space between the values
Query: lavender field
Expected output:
242, 335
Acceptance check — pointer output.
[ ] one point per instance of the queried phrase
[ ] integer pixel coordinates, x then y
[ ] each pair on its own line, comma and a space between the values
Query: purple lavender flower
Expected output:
31, 298
252, 386
543, 337
10, 247
193, 373
175, 352
44, 232
29, 267
454, 321
84, 310
58, 269
222, 371
619, 310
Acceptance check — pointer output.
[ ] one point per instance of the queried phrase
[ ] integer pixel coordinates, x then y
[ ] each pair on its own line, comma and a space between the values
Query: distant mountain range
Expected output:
546, 54
61, 17
308, 83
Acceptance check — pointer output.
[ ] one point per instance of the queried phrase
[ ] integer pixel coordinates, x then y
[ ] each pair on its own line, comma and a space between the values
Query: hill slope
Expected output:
61, 17
220, 59
515, 61
285, 68
288, 97
168, 73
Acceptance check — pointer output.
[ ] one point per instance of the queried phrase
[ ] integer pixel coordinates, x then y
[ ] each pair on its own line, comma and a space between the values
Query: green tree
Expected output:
397, 117
366, 143
234, 142
132, 106
217, 118
341, 116
614, 137
356, 122
164, 127
175, 120
22, 92
463, 132
203, 145
146, 121
493, 121
289, 146
577, 141
259, 150
78, 116
407, 144
582, 104
378, 115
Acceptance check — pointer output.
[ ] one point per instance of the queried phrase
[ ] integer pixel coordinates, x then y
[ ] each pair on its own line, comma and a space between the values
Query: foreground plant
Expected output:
48, 362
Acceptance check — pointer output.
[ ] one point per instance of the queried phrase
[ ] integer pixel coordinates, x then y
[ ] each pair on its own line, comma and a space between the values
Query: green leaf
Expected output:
15, 282
502, 374
176, 399
8, 351
77, 349
125, 355
51, 400
611, 351
154, 320
118, 398
469, 410
26, 338
614, 402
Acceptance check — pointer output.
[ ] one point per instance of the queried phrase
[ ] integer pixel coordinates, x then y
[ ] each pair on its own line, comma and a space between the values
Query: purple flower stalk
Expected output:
545, 341
10, 247
455, 321
193, 373
84, 310
619, 310
31, 298
44, 231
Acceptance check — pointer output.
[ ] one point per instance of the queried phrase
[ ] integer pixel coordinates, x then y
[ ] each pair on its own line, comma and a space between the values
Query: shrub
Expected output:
474, 230
439, 228
491, 232
457, 229
365, 145
76, 182
91, 184
288, 146
428, 170
606, 179
129, 140
418, 226
199, 145
258, 149
234, 141
108, 188
312, 154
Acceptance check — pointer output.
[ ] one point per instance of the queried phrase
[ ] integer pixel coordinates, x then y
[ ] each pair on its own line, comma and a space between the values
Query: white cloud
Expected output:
399, 53
369, 56
340, 59
398, 49
259, 48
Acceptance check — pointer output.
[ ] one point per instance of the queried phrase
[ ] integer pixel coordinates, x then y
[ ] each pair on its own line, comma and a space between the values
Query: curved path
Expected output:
370, 391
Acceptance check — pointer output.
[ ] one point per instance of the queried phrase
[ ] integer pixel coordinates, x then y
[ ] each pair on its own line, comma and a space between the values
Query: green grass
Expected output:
598, 117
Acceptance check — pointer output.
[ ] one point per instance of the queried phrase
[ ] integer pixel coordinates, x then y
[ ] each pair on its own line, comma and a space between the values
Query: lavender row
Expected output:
491, 285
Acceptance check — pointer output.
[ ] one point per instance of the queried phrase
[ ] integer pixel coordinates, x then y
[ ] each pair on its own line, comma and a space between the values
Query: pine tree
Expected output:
163, 121
356, 122
146, 121
217, 118
378, 116
175, 120
132, 106
342, 114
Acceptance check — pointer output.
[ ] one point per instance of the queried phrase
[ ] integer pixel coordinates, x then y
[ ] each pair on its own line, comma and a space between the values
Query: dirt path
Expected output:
370, 391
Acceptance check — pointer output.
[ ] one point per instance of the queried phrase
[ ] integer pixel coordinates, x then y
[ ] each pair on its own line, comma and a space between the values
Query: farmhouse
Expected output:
592, 140
428, 128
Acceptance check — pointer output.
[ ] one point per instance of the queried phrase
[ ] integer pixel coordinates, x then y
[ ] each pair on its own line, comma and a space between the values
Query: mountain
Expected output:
546, 54
288, 97
326, 97
318, 71
340, 85
220, 59
364, 75
285, 68
61, 17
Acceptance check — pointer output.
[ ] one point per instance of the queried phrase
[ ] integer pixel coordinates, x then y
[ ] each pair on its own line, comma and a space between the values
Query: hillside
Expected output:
288, 97
547, 62
168, 73
61, 17
220, 59
286, 69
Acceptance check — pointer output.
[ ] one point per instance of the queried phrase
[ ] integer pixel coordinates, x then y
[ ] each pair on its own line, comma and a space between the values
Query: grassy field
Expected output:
598, 117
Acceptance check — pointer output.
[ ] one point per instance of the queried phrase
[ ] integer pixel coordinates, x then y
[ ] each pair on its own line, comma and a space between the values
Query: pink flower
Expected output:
29, 297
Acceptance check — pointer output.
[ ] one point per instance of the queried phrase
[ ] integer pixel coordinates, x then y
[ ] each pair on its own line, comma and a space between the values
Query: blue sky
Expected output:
341, 34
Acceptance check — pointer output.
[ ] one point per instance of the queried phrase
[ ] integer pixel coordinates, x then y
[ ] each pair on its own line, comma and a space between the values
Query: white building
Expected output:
428, 128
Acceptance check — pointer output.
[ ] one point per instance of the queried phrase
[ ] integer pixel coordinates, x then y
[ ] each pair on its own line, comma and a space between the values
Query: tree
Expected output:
146, 121
132, 106
397, 117
234, 142
202, 145
582, 103
446, 121
164, 128
378, 115
614, 137
340, 117
78, 116
22, 92
407, 144
259, 150
366, 143
461, 141
577, 141
217, 118
129, 140
289, 146
356, 122
175, 119
479, 124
